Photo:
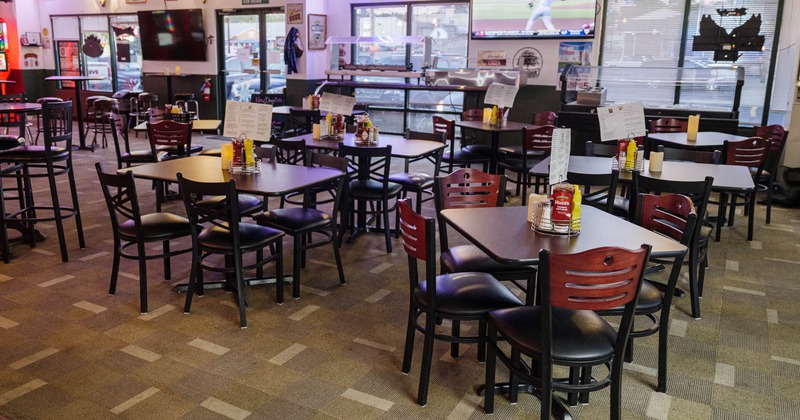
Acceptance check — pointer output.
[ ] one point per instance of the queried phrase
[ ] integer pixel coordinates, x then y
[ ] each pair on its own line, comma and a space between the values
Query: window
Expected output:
100, 45
447, 24
649, 33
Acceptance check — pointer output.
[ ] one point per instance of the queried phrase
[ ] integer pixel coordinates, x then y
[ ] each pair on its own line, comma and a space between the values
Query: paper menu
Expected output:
501, 95
339, 104
621, 121
251, 119
559, 155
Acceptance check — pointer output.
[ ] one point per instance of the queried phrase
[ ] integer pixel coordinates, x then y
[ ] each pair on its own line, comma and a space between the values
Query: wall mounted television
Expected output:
172, 35
531, 19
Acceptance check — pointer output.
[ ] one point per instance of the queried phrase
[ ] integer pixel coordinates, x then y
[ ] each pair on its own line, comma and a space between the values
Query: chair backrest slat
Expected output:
751, 152
668, 125
172, 134
671, 215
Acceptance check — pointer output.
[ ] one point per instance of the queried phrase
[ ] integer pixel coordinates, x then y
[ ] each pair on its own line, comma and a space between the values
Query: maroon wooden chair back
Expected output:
668, 125
597, 279
544, 118
413, 231
751, 152
469, 188
671, 215
170, 133
774, 132
443, 125
540, 138
474, 114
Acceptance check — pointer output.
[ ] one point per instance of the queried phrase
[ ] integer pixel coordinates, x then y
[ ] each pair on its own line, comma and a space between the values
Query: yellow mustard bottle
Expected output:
493, 119
576, 208
630, 155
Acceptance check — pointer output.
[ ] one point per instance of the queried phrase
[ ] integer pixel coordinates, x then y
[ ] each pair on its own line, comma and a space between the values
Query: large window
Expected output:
640, 33
100, 45
447, 24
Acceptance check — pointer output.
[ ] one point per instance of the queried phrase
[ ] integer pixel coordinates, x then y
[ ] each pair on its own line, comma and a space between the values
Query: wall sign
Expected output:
317, 31
294, 13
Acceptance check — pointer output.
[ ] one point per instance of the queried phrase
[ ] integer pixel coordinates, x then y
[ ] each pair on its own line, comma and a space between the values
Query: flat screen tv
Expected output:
172, 35
530, 19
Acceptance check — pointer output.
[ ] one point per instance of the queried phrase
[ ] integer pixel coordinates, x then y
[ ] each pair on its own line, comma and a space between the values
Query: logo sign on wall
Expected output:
530, 61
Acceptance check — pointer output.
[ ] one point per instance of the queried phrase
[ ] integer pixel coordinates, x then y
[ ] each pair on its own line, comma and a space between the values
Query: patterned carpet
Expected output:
70, 350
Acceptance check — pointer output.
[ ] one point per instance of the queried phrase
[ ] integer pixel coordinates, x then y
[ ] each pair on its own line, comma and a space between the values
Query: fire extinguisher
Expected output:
206, 89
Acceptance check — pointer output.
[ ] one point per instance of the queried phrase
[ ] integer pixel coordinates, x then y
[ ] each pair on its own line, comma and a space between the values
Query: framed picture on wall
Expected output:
3, 61
317, 31
294, 13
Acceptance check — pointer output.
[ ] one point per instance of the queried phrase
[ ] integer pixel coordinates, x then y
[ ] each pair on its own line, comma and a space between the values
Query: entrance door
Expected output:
251, 52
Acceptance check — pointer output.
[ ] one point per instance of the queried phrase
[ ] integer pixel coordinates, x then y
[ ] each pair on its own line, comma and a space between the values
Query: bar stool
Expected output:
140, 105
39, 125
46, 161
89, 116
188, 104
101, 111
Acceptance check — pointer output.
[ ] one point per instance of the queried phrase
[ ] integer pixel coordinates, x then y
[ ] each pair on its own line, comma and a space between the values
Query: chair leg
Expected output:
732, 210
586, 378
3, 228
62, 241
427, 360
481, 341
751, 216
297, 248
387, 233
723, 197
112, 286
547, 391
237, 266
513, 379
410, 333
75, 205
167, 265
336, 252
456, 333
616, 390
701, 277
279, 270
142, 278
694, 290
663, 336
194, 279
574, 379
769, 198
491, 365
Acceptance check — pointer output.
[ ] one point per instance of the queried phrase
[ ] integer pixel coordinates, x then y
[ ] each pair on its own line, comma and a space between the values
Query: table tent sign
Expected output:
248, 120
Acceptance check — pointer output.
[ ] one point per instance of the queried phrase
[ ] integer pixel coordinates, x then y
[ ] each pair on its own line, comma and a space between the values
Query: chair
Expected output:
301, 121
140, 105
131, 228
699, 192
457, 297
187, 102
601, 149
767, 177
102, 108
167, 136
302, 222
470, 143
420, 182
369, 184
14, 120
224, 234
544, 118
673, 216
291, 152
47, 161
456, 157
126, 157
39, 126
668, 125
602, 197
751, 153
470, 188
688, 155
565, 330
535, 147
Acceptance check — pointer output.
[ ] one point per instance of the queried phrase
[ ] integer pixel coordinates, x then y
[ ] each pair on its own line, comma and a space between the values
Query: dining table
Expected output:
495, 131
3, 83
728, 179
197, 125
77, 81
273, 180
21, 109
706, 140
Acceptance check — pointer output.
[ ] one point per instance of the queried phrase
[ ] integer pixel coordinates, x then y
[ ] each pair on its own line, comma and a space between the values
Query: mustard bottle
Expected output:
493, 119
630, 155
575, 225
330, 126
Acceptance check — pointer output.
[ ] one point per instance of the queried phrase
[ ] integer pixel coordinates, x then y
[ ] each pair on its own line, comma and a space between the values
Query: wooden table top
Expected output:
705, 139
197, 125
510, 240
275, 179
13, 107
401, 147
728, 178
479, 125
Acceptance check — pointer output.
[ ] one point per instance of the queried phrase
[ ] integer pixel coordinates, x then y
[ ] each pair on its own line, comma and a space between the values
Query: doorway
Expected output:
251, 53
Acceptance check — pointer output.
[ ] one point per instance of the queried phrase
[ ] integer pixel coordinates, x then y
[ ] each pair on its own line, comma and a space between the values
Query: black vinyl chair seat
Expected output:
218, 240
156, 227
467, 294
461, 258
140, 156
173, 150
517, 150
412, 179
248, 204
479, 149
582, 336
26, 154
294, 219
461, 155
371, 189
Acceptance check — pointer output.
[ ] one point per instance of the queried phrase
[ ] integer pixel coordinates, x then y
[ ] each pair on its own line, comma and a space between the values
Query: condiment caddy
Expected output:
239, 157
559, 214
629, 158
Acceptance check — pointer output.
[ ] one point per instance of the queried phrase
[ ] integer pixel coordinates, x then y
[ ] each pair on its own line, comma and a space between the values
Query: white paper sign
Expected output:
339, 104
621, 121
248, 118
501, 95
559, 155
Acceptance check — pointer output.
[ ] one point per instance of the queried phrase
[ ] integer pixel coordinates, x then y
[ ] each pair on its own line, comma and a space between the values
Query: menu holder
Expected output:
253, 168
542, 221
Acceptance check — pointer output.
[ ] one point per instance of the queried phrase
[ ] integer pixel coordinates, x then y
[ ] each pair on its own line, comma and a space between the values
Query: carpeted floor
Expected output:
70, 350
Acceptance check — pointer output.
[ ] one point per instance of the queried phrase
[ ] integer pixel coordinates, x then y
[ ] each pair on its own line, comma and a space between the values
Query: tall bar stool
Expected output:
140, 105
39, 125
88, 117
101, 111
47, 161
187, 102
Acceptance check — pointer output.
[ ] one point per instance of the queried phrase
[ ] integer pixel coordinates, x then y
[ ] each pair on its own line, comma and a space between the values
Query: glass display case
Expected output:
670, 91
